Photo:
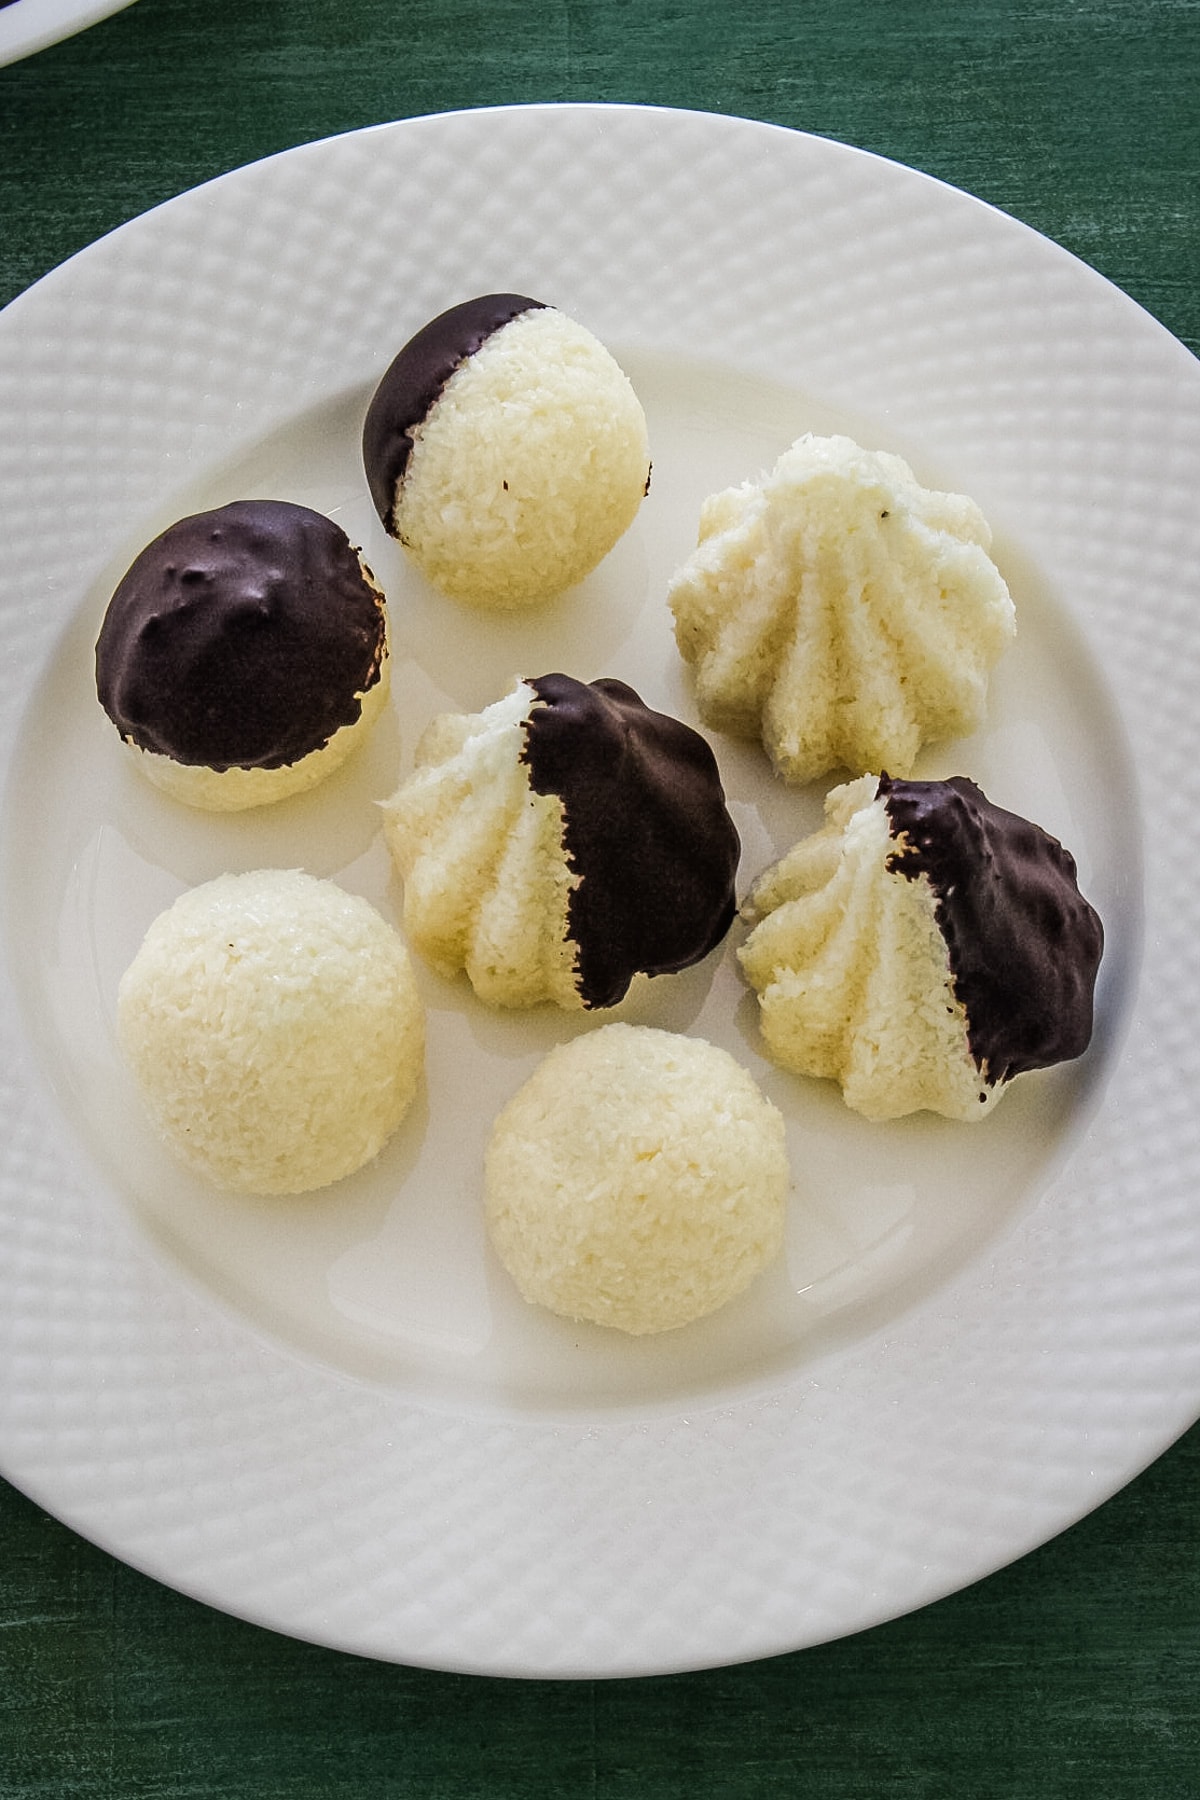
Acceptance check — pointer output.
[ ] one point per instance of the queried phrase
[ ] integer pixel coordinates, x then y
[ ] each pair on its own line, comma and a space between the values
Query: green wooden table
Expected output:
1076, 1671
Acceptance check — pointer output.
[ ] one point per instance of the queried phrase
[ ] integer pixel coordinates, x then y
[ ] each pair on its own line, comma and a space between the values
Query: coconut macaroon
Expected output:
841, 611
562, 841
637, 1180
272, 1023
506, 450
923, 948
244, 654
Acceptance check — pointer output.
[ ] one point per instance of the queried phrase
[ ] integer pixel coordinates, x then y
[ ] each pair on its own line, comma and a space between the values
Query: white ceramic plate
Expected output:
29, 25
332, 1415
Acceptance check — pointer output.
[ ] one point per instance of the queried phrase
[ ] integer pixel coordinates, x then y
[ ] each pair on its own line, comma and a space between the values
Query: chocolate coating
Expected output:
1023, 944
413, 382
241, 637
645, 828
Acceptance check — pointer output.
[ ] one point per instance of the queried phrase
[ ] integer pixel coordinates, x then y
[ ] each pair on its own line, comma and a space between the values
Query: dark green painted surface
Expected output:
1074, 1675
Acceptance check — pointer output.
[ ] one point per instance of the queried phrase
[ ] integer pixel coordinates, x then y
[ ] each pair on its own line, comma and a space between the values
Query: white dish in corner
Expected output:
333, 1416
30, 25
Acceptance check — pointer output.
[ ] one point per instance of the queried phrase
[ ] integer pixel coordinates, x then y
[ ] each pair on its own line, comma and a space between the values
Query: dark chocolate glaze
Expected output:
241, 638
415, 379
645, 829
1023, 944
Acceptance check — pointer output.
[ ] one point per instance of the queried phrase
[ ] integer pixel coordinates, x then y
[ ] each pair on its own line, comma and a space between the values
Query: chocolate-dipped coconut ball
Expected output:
244, 655
637, 1180
273, 1025
506, 450
923, 949
562, 841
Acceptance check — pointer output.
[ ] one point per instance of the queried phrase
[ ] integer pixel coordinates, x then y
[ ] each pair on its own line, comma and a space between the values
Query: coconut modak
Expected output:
561, 842
923, 948
841, 611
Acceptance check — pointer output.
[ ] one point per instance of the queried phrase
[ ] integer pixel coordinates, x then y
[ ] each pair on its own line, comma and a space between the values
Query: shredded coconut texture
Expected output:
486, 879
852, 972
637, 1180
841, 611
273, 1024
529, 466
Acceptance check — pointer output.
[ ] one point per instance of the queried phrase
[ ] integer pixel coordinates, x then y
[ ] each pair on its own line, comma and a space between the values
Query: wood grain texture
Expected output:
1073, 1675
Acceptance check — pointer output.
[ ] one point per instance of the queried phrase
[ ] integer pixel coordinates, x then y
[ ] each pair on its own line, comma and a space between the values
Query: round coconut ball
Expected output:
638, 1180
272, 1023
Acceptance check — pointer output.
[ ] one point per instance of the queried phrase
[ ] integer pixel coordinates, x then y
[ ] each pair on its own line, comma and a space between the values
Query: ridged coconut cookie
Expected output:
922, 949
841, 611
244, 654
506, 450
562, 841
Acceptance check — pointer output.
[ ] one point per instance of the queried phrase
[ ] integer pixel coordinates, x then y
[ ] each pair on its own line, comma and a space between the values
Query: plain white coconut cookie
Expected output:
637, 1180
272, 1023
842, 611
